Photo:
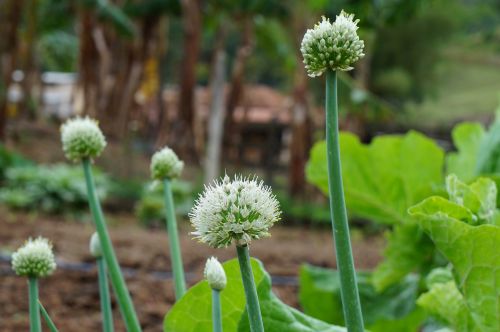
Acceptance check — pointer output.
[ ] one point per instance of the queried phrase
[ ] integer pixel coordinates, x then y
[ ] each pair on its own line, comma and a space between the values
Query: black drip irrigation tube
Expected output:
5, 269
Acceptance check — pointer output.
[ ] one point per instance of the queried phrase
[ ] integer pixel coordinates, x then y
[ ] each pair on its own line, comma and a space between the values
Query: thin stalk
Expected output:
35, 322
107, 315
348, 285
117, 280
216, 311
46, 317
173, 239
253, 307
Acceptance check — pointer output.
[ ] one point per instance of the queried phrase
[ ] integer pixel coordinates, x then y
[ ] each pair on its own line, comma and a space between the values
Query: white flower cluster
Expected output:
82, 138
166, 165
238, 210
215, 274
334, 46
34, 259
95, 246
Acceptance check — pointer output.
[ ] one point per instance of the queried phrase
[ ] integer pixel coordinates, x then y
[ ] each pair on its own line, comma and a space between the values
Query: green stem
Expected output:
348, 285
117, 280
253, 307
35, 322
107, 315
216, 311
46, 317
173, 239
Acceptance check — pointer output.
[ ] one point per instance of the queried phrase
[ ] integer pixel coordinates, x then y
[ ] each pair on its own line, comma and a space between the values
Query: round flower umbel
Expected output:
81, 138
215, 274
166, 165
34, 259
234, 211
334, 46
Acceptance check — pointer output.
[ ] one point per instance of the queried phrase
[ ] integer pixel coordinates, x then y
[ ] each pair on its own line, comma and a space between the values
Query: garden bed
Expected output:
71, 294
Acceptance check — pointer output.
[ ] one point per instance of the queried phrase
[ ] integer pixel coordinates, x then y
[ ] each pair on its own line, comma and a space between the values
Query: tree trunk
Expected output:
237, 79
183, 132
217, 109
10, 17
88, 61
300, 141
30, 80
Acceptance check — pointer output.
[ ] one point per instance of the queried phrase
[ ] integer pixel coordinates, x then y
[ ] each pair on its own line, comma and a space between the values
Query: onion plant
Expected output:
328, 48
82, 141
237, 211
216, 277
107, 313
34, 260
165, 167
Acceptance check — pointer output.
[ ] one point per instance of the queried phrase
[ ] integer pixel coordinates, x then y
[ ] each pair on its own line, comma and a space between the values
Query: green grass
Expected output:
467, 87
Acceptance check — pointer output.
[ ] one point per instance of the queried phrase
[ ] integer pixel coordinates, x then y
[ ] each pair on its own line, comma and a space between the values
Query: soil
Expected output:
71, 294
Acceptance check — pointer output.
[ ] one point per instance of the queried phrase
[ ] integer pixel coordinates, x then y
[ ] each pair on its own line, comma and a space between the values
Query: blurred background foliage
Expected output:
147, 70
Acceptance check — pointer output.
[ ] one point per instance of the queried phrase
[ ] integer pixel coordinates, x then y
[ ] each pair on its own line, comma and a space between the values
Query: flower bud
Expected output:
215, 274
81, 138
95, 246
166, 165
234, 211
334, 46
34, 259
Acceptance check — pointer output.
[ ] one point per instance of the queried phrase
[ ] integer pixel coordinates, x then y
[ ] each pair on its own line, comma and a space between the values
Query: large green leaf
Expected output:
467, 138
192, 313
391, 310
445, 302
470, 243
478, 150
408, 249
384, 178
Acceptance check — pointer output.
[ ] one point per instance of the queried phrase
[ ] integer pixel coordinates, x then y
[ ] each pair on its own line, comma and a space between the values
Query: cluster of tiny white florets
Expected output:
334, 46
166, 165
82, 138
234, 211
34, 259
215, 274
95, 246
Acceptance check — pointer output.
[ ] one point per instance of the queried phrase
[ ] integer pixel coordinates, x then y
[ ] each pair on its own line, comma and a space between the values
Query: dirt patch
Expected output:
71, 294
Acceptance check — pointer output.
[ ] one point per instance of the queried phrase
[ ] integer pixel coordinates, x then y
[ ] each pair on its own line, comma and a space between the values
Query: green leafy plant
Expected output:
466, 230
394, 309
478, 151
49, 188
192, 313
382, 180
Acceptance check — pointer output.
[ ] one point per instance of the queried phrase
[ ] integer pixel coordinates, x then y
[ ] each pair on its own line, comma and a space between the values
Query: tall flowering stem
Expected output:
253, 307
117, 280
107, 314
328, 48
173, 239
345, 263
165, 167
216, 311
35, 322
82, 140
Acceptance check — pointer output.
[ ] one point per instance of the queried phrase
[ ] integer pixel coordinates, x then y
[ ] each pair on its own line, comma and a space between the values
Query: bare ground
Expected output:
71, 294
